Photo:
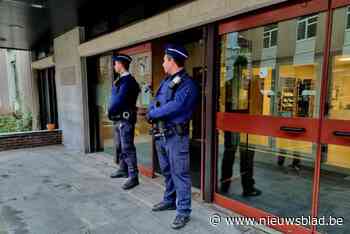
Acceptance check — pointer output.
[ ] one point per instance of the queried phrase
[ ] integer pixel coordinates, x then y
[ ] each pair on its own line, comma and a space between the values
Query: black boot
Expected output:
225, 186
163, 206
180, 221
119, 174
130, 183
253, 192
280, 161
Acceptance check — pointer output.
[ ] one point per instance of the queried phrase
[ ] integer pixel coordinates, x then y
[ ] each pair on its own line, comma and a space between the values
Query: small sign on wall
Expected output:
68, 76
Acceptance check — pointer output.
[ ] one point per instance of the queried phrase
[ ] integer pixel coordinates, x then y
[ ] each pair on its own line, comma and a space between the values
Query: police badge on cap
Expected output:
176, 51
122, 58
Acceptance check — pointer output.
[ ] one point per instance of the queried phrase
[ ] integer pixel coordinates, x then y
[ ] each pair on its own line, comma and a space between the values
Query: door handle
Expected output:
292, 129
341, 133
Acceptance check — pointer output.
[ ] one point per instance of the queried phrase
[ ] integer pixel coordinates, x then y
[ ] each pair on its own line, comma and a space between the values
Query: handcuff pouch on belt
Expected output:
125, 115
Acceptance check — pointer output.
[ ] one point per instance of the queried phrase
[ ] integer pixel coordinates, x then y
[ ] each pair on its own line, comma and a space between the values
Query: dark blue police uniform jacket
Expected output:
123, 99
124, 95
179, 109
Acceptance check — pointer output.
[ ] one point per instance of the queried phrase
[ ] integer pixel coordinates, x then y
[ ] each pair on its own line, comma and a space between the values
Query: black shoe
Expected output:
130, 183
163, 206
280, 161
295, 166
252, 192
180, 221
119, 174
225, 186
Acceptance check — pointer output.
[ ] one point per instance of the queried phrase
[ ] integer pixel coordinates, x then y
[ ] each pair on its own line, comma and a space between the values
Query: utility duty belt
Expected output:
159, 130
125, 115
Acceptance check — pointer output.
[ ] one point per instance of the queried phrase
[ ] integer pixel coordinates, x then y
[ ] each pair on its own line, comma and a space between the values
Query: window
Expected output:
275, 82
270, 35
286, 87
307, 27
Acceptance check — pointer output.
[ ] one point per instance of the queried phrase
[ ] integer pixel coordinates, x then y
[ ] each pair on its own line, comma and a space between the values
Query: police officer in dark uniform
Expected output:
170, 112
123, 111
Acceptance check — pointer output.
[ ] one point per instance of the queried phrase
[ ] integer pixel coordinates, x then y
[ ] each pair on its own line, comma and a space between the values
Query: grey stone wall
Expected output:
71, 84
186, 16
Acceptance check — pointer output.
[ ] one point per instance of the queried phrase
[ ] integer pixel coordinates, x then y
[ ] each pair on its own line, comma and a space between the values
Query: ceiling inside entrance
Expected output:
22, 22
25, 24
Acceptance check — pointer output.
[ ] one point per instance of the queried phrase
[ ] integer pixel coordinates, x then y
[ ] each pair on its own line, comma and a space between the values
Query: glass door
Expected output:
271, 71
141, 69
334, 173
102, 87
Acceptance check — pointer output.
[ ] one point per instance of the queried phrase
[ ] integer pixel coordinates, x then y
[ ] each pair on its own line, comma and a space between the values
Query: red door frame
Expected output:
142, 48
285, 11
324, 92
339, 3
329, 126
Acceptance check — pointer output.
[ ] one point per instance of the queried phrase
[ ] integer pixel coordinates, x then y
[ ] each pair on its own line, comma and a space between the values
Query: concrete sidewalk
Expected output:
52, 190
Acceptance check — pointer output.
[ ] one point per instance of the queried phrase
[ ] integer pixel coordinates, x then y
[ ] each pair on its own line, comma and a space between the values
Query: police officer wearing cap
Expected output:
123, 111
170, 113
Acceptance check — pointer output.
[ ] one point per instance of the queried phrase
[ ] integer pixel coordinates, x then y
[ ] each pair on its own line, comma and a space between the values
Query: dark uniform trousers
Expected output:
173, 156
125, 147
232, 141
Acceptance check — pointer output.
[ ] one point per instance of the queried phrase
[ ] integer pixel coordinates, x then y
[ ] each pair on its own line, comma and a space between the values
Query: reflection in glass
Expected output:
103, 92
276, 80
265, 78
335, 161
140, 68
243, 164
263, 73
339, 96
335, 187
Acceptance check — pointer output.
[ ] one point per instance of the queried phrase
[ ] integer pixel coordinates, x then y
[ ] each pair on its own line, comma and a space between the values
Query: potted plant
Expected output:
50, 126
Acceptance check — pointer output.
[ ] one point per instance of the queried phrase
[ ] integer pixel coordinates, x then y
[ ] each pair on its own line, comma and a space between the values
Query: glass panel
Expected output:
283, 80
311, 31
339, 96
141, 69
270, 35
196, 127
335, 188
301, 30
335, 161
274, 38
266, 42
103, 92
194, 67
281, 169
